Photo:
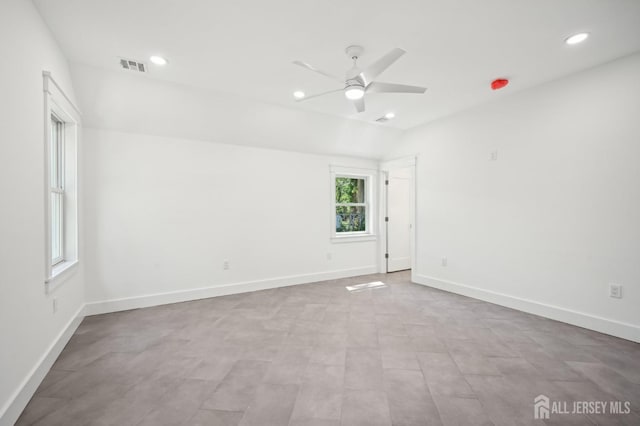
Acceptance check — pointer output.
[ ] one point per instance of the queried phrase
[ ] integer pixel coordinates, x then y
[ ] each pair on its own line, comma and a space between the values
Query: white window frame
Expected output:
58, 107
369, 177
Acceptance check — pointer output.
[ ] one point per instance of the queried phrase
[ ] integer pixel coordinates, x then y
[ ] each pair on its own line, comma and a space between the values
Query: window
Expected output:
56, 166
351, 204
352, 200
61, 195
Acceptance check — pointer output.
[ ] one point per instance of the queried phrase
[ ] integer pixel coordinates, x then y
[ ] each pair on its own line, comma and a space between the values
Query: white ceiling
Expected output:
245, 47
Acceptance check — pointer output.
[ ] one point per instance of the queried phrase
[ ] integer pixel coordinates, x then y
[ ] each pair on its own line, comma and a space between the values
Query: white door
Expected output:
399, 225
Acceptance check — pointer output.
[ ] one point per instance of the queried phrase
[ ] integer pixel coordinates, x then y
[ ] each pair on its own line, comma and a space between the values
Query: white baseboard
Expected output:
580, 319
145, 301
15, 405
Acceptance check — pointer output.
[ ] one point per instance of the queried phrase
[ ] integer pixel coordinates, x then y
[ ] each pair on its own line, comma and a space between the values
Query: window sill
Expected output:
59, 275
353, 238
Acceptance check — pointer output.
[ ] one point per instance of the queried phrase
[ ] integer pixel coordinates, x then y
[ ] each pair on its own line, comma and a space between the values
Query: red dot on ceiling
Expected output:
499, 83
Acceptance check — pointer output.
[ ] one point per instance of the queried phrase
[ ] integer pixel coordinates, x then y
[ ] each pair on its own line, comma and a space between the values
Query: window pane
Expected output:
56, 225
350, 190
54, 150
351, 219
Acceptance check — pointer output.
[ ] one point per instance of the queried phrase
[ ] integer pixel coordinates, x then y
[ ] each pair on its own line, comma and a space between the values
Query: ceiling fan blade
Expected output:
359, 103
376, 68
318, 94
314, 69
376, 87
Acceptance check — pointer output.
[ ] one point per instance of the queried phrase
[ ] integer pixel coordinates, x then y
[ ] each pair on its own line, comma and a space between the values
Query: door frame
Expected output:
385, 167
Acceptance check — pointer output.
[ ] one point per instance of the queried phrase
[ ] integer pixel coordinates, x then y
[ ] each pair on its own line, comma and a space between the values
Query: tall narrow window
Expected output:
62, 124
56, 180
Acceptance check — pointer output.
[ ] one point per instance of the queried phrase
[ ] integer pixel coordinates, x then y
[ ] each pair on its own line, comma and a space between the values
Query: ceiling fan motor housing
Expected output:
354, 82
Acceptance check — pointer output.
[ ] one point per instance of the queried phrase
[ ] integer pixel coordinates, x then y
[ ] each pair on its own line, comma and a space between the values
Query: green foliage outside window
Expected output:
350, 205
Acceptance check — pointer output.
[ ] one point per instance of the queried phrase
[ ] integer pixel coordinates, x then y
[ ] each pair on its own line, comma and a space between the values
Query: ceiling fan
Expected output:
357, 82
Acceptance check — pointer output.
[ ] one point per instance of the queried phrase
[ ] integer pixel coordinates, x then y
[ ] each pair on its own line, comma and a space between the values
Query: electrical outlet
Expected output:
328, 255
55, 305
493, 155
615, 291
225, 264
444, 261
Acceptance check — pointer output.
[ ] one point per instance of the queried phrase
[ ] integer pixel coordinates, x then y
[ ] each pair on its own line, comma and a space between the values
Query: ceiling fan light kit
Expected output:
358, 82
354, 92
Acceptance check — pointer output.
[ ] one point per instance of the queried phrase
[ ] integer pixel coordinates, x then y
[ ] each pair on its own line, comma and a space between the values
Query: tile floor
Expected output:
319, 355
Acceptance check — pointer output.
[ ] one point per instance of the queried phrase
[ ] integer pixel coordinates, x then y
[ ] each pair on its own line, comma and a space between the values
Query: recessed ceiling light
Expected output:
298, 94
158, 60
390, 115
576, 38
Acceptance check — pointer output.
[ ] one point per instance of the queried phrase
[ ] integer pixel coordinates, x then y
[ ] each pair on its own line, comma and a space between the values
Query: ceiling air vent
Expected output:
131, 65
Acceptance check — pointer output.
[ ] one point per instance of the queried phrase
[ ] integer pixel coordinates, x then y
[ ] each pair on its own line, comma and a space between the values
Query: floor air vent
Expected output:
131, 65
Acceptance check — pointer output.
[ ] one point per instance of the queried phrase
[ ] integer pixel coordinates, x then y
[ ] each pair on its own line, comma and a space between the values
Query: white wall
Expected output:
162, 215
556, 217
180, 179
28, 326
